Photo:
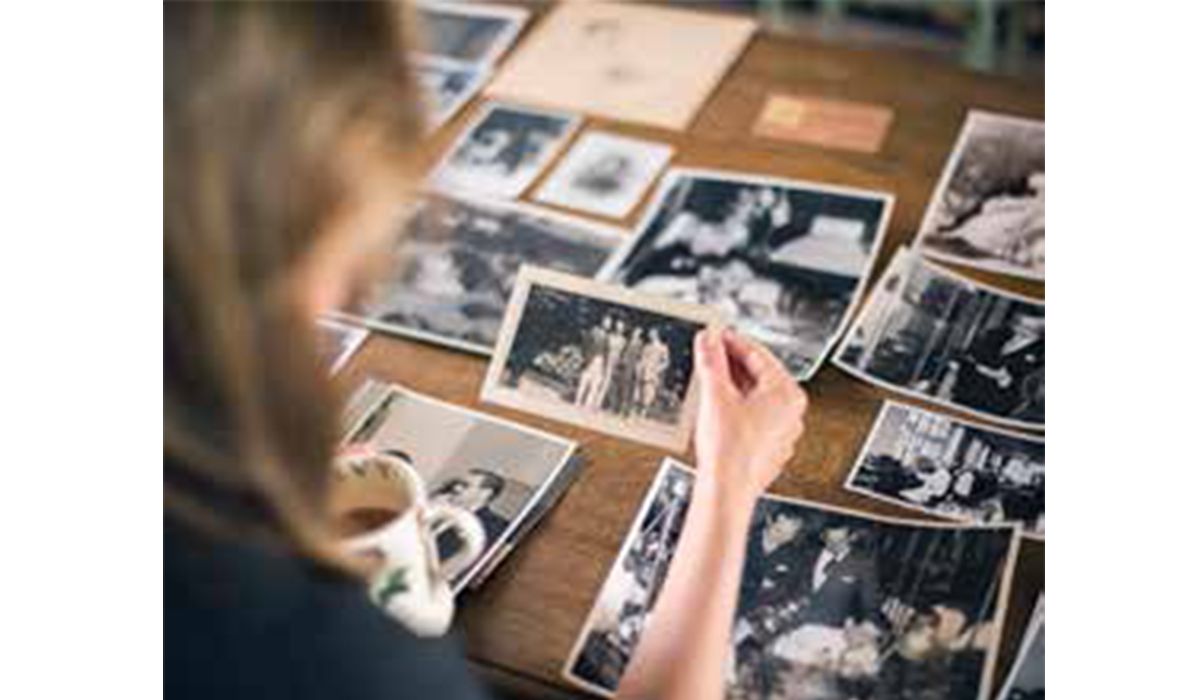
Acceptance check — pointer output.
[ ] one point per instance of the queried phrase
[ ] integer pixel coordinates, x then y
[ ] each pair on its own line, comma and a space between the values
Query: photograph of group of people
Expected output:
496, 469
456, 261
784, 261
945, 466
936, 335
832, 604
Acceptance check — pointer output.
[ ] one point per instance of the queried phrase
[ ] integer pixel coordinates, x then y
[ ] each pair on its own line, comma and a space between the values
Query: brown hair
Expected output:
260, 102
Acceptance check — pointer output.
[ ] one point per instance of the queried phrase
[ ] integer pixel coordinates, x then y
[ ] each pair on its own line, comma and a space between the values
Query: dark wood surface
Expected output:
525, 619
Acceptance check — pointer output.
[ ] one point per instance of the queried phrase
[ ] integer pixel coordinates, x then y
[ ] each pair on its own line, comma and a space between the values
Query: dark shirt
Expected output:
243, 622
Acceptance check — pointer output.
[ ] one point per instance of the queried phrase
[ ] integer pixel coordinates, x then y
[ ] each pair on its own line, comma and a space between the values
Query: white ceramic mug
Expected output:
381, 499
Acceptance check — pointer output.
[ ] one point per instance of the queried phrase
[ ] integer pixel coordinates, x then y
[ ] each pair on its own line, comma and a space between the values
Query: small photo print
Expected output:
477, 33
337, 341
598, 356
455, 262
989, 209
1027, 679
833, 604
605, 174
502, 152
944, 466
494, 468
446, 85
933, 334
785, 261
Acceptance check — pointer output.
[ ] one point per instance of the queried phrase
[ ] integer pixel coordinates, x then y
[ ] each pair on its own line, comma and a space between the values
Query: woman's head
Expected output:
286, 129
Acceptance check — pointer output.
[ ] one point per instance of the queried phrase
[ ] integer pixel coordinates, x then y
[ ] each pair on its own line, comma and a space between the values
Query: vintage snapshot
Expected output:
502, 152
933, 334
1027, 678
446, 85
455, 261
337, 341
833, 604
598, 356
633, 62
989, 208
496, 469
605, 174
944, 466
477, 33
784, 260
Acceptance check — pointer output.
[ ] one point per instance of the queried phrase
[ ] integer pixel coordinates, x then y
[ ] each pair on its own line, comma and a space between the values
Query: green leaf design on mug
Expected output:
393, 583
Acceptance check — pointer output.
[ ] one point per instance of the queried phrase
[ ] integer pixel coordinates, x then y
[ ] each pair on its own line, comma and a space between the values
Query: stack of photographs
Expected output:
935, 335
833, 604
455, 262
507, 474
785, 261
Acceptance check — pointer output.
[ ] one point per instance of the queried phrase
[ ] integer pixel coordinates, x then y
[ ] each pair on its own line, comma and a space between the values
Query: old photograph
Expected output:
455, 261
832, 604
337, 341
605, 174
1027, 678
933, 334
494, 468
785, 261
446, 85
957, 469
598, 356
503, 150
989, 208
473, 32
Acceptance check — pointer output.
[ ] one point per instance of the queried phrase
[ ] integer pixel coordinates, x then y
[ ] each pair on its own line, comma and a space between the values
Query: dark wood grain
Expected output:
528, 614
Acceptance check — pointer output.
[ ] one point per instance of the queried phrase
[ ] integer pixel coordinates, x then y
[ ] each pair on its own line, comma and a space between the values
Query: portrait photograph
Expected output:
494, 468
455, 260
832, 604
337, 341
989, 208
605, 174
1027, 678
503, 150
785, 261
445, 86
941, 465
598, 356
473, 32
933, 334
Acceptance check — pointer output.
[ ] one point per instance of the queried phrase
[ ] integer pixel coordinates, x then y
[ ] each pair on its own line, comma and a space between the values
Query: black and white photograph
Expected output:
936, 335
599, 356
605, 174
337, 341
446, 85
941, 465
455, 262
503, 150
494, 468
785, 261
1027, 678
989, 208
832, 604
477, 33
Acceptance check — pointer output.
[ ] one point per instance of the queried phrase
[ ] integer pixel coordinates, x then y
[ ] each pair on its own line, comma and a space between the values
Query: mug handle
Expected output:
443, 516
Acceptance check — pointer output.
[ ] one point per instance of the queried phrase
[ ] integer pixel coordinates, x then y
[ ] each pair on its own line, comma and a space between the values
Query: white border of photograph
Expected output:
558, 191
939, 191
517, 17
1037, 621
989, 667
668, 180
481, 74
439, 179
353, 330
600, 230
676, 439
904, 251
862, 453
534, 497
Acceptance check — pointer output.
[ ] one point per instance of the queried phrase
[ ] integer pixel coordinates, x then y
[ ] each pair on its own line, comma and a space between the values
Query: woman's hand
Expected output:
751, 415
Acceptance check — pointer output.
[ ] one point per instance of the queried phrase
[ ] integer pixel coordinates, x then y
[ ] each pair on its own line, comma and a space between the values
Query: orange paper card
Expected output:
854, 126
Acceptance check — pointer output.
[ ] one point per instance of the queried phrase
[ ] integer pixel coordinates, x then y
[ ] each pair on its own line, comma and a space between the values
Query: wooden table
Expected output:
520, 626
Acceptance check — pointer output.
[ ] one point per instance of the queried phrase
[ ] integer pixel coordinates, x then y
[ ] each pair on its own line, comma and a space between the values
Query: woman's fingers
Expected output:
712, 361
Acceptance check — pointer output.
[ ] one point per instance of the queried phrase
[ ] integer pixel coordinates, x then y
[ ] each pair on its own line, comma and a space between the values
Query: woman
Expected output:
286, 131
